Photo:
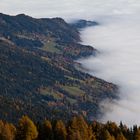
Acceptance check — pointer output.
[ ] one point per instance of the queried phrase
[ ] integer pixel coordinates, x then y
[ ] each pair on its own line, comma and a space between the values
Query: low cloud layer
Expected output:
117, 38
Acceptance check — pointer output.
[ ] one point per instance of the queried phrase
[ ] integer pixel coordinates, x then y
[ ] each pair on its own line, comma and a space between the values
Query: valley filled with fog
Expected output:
118, 43
117, 38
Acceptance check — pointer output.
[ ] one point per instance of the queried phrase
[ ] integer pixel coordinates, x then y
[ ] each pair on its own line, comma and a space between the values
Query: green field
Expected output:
74, 90
50, 47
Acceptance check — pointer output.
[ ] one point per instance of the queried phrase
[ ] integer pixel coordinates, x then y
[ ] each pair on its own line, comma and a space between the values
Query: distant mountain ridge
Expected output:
38, 74
79, 24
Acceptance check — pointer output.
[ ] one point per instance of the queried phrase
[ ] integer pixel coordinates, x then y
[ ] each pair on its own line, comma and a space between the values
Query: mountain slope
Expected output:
42, 81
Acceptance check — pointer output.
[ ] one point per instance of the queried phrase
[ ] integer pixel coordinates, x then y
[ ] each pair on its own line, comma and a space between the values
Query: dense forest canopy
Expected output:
75, 129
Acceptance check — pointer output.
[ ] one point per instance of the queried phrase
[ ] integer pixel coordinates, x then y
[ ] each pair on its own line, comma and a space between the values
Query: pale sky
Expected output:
68, 8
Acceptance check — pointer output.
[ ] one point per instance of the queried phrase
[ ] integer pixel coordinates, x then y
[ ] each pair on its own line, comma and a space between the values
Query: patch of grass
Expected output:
50, 46
74, 90
72, 78
51, 92
71, 100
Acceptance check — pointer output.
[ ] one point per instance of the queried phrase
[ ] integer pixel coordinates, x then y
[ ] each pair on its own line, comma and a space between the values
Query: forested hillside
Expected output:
38, 74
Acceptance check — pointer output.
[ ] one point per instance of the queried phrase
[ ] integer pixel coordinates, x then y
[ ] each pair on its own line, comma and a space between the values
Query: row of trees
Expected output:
76, 129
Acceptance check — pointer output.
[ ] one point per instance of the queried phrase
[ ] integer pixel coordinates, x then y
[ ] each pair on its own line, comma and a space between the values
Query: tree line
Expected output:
75, 129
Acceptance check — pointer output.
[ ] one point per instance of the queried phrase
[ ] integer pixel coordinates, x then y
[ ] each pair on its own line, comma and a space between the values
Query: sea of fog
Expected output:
118, 41
117, 38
